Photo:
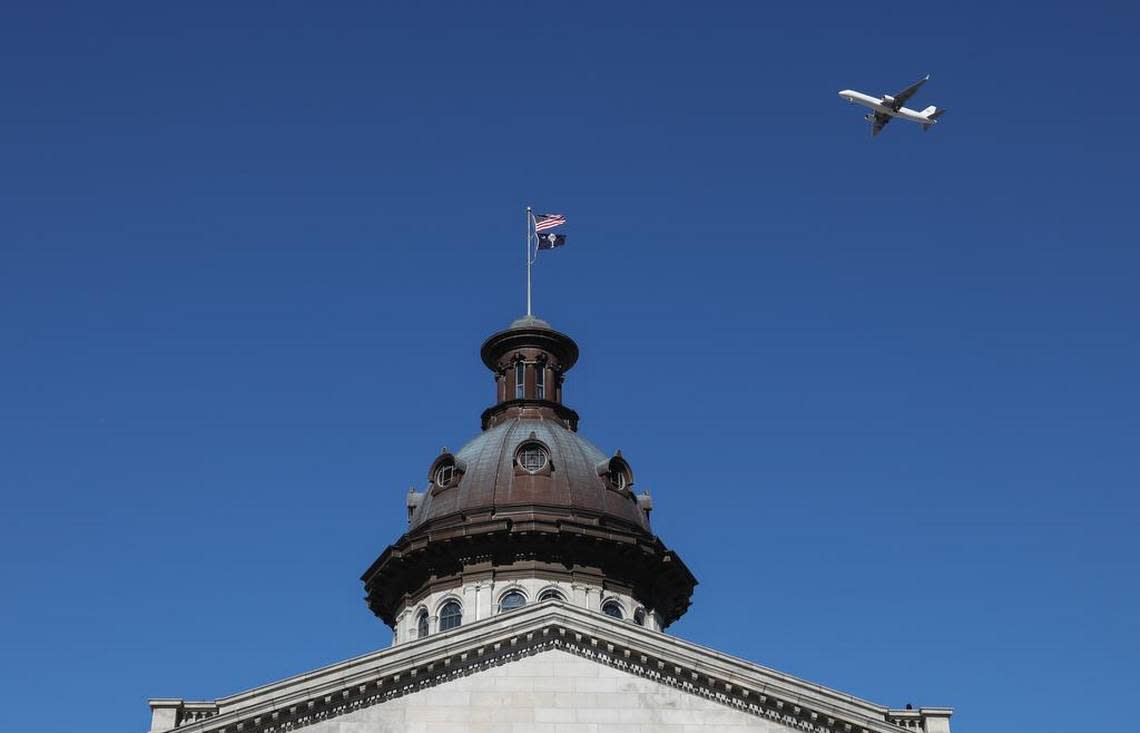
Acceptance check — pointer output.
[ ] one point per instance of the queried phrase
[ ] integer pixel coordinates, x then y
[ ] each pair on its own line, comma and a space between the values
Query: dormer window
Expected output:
445, 472
532, 457
520, 380
616, 473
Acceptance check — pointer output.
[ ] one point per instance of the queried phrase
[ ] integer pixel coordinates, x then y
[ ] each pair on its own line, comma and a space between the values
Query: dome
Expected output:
528, 498
489, 480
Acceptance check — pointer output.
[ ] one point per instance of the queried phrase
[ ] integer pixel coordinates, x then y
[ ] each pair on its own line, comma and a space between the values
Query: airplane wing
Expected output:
901, 98
878, 122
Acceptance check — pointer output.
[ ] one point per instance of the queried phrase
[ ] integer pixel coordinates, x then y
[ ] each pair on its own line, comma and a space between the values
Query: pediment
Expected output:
551, 690
543, 665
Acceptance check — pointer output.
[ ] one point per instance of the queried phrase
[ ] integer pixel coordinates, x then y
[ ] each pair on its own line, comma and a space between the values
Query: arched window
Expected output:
639, 617
422, 625
520, 380
613, 608
512, 600
551, 594
540, 381
450, 616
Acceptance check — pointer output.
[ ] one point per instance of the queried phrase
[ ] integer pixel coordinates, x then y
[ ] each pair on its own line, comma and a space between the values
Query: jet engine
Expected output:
869, 118
888, 100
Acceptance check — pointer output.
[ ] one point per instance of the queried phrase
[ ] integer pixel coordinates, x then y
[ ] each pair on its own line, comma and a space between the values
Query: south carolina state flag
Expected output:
550, 240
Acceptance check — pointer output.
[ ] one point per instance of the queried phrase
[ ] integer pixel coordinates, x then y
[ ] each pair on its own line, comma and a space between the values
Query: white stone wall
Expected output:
480, 600
551, 692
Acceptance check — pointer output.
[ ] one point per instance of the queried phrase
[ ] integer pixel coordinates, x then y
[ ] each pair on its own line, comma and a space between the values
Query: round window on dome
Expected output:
616, 474
639, 617
532, 457
445, 474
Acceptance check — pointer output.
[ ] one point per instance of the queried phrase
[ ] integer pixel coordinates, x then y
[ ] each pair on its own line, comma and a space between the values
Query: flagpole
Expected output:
528, 261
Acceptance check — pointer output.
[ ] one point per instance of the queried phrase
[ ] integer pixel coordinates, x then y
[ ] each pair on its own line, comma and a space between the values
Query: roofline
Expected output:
552, 625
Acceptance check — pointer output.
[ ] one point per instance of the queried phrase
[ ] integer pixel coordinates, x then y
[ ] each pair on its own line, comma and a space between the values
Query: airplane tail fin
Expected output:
932, 114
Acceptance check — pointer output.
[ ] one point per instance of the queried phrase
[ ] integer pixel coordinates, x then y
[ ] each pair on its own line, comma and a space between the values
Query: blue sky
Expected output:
883, 391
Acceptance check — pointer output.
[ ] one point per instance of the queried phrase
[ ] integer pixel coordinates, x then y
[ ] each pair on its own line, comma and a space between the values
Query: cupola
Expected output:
529, 361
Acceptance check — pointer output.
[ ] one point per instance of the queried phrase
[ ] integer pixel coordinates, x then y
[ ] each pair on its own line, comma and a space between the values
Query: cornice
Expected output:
407, 668
558, 344
532, 408
626, 555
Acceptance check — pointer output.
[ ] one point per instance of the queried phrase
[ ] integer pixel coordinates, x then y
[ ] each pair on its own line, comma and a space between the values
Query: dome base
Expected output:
561, 547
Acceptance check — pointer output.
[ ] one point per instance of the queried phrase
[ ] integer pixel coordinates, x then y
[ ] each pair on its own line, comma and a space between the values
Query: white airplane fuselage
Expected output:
876, 104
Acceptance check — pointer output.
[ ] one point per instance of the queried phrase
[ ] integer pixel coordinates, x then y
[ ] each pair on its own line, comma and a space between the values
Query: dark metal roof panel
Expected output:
492, 483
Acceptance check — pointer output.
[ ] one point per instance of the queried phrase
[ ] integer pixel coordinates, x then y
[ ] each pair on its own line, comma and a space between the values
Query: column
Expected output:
471, 603
486, 594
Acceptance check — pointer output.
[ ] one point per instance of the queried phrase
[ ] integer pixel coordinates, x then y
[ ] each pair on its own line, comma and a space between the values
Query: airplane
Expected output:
892, 106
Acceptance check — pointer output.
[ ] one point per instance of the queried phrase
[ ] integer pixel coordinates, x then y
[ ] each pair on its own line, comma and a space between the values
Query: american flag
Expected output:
542, 222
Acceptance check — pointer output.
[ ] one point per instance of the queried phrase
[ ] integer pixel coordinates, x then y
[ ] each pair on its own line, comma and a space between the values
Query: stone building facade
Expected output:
529, 593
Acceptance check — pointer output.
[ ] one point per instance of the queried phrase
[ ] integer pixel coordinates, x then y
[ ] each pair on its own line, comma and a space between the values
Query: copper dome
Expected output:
575, 481
529, 495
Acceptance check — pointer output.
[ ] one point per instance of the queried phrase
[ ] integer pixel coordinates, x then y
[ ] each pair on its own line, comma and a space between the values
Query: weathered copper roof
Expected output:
490, 481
